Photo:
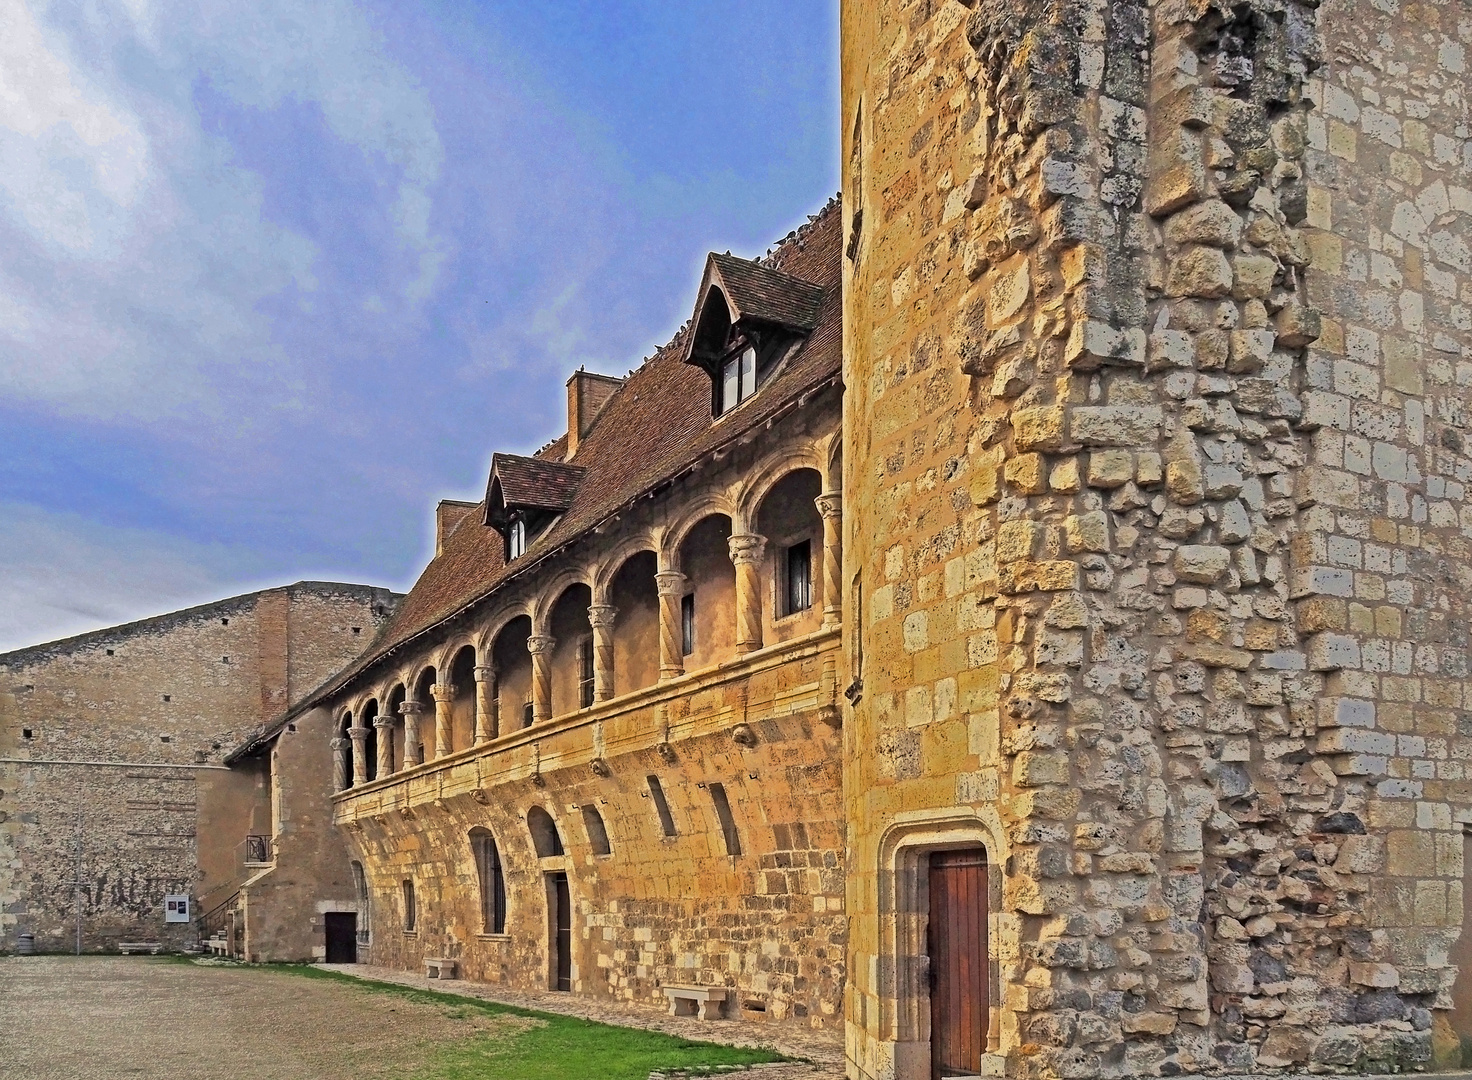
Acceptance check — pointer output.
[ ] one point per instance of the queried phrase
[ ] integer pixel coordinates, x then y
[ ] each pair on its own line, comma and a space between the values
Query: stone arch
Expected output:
503, 617
903, 910
552, 592
611, 563
710, 503
768, 473
831, 449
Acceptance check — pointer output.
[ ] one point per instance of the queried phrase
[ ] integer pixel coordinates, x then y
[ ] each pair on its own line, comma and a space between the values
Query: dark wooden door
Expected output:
958, 962
562, 933
342, 937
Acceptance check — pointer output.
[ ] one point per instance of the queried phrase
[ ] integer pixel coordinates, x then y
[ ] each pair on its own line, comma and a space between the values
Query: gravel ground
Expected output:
101, 1018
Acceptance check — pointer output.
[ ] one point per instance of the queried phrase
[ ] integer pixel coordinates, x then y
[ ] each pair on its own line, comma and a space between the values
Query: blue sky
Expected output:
275, 277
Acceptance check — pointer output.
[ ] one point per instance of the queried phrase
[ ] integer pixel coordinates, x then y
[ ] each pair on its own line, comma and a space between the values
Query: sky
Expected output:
277, 276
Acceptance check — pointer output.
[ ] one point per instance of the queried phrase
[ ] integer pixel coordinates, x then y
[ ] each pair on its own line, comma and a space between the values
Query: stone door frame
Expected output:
904, 914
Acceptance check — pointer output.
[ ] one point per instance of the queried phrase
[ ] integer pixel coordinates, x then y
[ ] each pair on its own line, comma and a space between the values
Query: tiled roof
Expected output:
759, 292
656, 426
535, 483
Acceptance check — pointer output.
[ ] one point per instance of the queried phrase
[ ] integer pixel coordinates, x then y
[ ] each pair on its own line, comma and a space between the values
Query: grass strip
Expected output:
560, 1048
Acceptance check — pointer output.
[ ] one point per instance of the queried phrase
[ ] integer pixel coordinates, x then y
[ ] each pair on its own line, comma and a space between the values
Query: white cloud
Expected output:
136, 256
62, 574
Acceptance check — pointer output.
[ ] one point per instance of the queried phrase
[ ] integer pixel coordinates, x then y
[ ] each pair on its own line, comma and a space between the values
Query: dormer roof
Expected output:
528, 483
747, 293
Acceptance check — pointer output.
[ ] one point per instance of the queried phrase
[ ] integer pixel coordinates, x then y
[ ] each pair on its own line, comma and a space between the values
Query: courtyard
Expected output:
114, 1017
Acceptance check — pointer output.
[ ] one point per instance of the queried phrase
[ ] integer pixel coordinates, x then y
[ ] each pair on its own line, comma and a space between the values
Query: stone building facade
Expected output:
112, 750
1158, 333
598, 749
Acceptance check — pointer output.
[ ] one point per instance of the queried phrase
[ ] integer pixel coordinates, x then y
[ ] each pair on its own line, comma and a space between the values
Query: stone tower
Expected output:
1158, 355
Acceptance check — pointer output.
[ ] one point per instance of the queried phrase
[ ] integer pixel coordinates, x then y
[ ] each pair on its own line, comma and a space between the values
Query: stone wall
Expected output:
116, 738
1153, 322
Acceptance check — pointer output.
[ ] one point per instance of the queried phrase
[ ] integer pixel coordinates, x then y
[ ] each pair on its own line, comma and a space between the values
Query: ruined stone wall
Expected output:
1155, 531
179, 691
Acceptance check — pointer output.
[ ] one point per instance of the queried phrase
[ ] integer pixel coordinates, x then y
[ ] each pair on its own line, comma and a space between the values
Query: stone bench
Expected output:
705, 1001
440, 967
127, 948
218, 946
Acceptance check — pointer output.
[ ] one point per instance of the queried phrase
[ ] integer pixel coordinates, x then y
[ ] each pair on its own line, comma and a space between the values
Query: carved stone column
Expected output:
339, 747
830, 507
359, 734
411, 710
384, 723
540, 646
444, 719
747, 550
600, 617
487, 719
671, 585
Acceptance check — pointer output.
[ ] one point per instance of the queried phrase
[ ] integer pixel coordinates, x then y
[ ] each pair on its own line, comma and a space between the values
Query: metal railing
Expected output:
216, 917
257, 849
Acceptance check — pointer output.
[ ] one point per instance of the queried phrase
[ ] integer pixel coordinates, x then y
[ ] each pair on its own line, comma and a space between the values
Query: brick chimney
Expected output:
448, 514
587, 393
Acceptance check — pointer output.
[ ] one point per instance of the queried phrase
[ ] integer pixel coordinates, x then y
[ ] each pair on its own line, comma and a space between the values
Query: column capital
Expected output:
383, 720
540, 643
747, 548
357, 730
830, 504
338, 743
443, 691
411, 707
485, 673
670, 583
601, 616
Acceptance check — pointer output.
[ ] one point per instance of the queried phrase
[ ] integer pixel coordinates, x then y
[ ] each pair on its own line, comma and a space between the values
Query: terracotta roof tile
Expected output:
653, 428
762, 293
533, 482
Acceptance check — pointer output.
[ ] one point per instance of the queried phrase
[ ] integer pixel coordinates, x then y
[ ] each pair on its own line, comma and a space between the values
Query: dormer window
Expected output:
738, 379
750, 317
516, 540
526, 496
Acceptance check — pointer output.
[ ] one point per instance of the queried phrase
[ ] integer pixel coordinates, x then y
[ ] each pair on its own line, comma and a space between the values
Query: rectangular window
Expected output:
687, 624
516, 540
492, 883
585, 671
799, 577
661, 806
409, 912
527, 715
738, 379
728, 823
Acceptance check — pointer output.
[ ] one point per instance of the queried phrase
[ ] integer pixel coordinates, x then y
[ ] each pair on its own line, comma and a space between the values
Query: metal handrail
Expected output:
214, 918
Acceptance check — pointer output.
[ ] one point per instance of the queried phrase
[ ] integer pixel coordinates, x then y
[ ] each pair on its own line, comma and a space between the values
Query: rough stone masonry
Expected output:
1158, 344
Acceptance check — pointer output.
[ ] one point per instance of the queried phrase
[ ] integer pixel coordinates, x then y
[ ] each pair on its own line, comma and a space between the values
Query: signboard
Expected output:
176, 908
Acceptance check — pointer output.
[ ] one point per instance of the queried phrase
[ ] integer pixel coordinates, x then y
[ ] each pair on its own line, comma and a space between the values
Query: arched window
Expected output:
545, 839
597, 833
492, 881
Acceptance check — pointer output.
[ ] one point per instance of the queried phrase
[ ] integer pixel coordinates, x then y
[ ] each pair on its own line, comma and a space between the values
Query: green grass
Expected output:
561, 1048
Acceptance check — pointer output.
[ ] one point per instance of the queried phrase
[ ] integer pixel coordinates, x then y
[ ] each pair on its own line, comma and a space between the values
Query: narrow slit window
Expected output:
585, 671
728, 823
687, 624
409, 911
799, 577
597, 831
661, 806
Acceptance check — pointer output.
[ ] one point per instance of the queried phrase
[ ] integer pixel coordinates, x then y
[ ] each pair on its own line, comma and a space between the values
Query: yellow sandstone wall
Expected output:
1156, 559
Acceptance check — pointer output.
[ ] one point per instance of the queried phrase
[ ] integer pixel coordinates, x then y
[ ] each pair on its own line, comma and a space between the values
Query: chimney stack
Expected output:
448, 514
587, 393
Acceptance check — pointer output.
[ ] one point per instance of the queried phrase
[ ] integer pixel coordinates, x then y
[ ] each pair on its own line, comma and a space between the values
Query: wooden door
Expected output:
342, 937
562, 933
958, 961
